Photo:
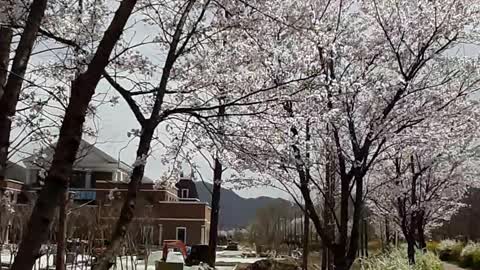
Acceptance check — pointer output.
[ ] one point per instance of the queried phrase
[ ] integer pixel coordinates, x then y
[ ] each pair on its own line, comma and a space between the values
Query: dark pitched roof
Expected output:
16, 172
187, 183
85, 149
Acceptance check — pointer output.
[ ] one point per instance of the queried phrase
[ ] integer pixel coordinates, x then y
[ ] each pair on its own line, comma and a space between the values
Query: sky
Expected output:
115, 121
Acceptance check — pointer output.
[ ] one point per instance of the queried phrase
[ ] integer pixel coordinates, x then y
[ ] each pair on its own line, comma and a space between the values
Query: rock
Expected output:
271, 264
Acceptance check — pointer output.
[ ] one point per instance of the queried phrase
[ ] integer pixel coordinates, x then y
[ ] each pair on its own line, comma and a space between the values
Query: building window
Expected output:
184, 193
78, 179
121, 176
182, 234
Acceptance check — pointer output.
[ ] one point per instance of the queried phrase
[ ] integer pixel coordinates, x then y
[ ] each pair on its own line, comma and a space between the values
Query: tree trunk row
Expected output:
127, 213
71, 131
11, 81
215, 212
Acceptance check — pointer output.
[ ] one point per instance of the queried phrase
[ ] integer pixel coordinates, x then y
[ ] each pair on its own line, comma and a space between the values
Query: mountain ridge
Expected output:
235, 211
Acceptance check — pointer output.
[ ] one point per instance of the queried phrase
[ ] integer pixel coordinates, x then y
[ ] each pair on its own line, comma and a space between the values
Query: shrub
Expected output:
432, 246
476, 260
428, 261
375, 245
450, 250
397, 260
470, 256
466, 257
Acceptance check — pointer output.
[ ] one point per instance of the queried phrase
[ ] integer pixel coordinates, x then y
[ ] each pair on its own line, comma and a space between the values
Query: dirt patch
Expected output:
271, 264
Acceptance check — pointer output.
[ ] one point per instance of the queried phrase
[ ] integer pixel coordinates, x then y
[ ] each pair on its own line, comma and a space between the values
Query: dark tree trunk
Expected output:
408, 230
216, 193
68, 143
357, 211
413, 215
61, 232
344, 198
422, 244
365, 236
340, 262
214, 214
324, 257
306, 233
411, 251
6, 34
13, 86
387, 233
329, 204
106, 260
361, 248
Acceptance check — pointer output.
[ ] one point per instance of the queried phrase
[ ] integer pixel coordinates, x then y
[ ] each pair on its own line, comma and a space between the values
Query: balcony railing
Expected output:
84, 195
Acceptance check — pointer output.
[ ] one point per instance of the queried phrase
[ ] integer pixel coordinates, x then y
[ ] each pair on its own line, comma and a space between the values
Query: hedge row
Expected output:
465, 255
397, 260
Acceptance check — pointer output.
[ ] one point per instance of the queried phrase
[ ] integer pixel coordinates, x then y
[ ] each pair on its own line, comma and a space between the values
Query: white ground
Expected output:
40, 263
227, 260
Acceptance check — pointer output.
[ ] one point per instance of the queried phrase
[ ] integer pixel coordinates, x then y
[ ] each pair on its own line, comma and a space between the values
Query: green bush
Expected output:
432, 246
450, 250
466, 257
476, 260
428, 261
470, 256
397, 260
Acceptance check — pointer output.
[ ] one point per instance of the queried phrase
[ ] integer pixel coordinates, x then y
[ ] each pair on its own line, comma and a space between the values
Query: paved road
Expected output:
448, 266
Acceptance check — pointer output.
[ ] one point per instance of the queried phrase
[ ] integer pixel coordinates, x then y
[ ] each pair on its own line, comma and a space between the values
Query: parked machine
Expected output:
167, 244
196, 254
233, 246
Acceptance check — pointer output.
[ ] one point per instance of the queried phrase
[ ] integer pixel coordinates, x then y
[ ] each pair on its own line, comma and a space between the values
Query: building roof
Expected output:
88, 157
16, 172
187, 183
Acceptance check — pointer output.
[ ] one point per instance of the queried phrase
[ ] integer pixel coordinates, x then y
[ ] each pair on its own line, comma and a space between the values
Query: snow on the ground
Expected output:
234, 257
175, 257
42, 262
228, 257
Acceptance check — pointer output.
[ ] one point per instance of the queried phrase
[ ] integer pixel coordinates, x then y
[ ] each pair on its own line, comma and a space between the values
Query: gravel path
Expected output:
448, 266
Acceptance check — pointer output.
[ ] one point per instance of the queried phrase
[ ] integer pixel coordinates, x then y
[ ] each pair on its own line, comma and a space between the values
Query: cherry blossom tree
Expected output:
43, 94
186, 92
182, 43
11, 80
386, 69
421, 182
56, 182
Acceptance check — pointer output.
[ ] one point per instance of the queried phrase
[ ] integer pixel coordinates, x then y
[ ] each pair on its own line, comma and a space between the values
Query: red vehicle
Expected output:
198, 253
174, 244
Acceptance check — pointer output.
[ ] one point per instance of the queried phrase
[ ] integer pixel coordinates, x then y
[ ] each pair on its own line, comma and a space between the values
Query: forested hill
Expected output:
235, 211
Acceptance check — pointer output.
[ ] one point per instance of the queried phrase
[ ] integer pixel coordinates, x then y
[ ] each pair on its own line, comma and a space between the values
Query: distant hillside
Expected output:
235, 211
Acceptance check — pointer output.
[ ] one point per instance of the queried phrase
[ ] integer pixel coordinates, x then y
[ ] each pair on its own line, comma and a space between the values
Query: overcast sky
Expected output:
116, 121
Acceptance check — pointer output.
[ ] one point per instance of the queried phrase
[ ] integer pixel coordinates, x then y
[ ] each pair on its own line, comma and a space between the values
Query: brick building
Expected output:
99, 184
